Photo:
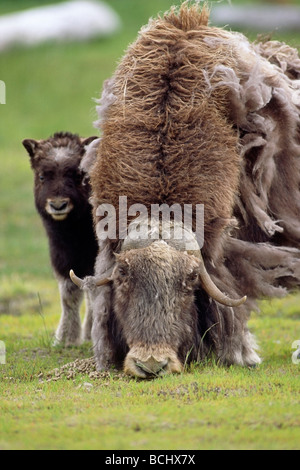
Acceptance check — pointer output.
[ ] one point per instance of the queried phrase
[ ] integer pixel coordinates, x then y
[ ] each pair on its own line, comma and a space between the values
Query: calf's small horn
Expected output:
210, 287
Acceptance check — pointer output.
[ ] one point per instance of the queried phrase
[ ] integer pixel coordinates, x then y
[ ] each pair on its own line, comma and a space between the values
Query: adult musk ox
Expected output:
61, 192
195, 115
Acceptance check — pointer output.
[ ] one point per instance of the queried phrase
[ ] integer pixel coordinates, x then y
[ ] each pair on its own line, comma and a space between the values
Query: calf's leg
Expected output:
68, 332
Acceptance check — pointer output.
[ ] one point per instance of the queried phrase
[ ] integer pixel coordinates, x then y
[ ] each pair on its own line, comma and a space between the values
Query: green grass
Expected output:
207, 407
50, 88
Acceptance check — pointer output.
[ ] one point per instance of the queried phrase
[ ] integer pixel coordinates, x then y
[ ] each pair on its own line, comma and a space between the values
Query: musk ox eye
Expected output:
186, 287
190, 282
192, 277
42, 178
123, 271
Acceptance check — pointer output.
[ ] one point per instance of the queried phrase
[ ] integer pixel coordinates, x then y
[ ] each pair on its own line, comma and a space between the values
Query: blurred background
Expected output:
50, 87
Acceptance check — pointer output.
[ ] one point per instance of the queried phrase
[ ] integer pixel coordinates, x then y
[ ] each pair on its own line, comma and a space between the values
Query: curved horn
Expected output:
103, 282
77, 281
210, 287
105, 279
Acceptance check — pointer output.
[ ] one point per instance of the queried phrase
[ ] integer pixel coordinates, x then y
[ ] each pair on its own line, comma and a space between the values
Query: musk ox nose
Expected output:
59, 205
150, 362
151, 367
59, 208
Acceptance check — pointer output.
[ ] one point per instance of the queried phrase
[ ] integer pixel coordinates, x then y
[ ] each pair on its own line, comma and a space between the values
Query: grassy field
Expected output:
50, 88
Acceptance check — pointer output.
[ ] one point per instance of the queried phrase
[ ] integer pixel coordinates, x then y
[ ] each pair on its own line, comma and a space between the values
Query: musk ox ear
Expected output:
90, 145
88, 140
31, 146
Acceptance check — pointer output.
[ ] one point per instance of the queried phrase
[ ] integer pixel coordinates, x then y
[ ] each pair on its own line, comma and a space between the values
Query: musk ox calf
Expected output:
194, 115
61, 193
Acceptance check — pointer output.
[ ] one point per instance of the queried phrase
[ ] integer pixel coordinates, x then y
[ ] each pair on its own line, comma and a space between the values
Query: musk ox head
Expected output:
58, 180
153, 302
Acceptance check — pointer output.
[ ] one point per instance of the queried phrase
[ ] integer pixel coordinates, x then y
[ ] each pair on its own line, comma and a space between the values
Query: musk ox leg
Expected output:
241, 351
249, 354
88, 319
68, 332
234, 344
103, 352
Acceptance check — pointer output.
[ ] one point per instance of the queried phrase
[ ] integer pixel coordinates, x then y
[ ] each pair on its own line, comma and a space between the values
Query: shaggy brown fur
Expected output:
197, 115
164, 128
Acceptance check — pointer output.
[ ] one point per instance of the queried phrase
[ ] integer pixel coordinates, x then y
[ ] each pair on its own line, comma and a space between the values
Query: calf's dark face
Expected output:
58, 189
154, 305
58, 181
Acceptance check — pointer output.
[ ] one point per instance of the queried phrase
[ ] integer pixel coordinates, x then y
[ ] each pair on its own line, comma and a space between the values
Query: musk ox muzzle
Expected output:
148, 362
153, 302
59, 207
